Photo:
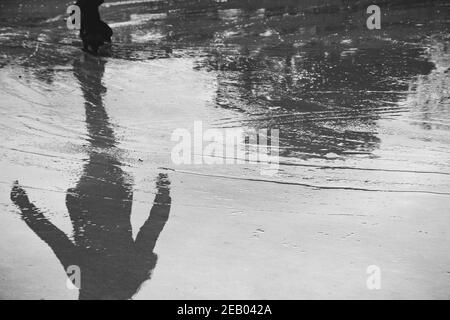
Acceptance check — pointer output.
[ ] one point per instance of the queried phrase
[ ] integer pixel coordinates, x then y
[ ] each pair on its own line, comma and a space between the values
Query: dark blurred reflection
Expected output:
112, 264
322, 99
320, 77
320, 80
431, 93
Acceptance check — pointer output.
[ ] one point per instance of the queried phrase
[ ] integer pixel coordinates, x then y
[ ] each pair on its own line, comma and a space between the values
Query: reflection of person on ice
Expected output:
95, 33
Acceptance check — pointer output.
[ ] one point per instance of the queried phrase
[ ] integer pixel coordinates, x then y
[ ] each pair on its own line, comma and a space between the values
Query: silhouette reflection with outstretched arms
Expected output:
112, 264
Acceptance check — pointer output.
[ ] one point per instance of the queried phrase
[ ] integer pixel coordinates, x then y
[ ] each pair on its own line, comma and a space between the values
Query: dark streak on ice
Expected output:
302, 184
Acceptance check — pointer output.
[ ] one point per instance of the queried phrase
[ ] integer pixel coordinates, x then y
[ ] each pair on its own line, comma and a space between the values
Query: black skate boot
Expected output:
95, 34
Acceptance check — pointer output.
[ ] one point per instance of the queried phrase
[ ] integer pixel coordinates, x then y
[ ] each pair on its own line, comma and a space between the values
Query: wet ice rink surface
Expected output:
364, 173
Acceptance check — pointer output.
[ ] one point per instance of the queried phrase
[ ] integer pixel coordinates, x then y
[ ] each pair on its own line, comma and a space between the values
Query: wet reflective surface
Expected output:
364, 152
113, 264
